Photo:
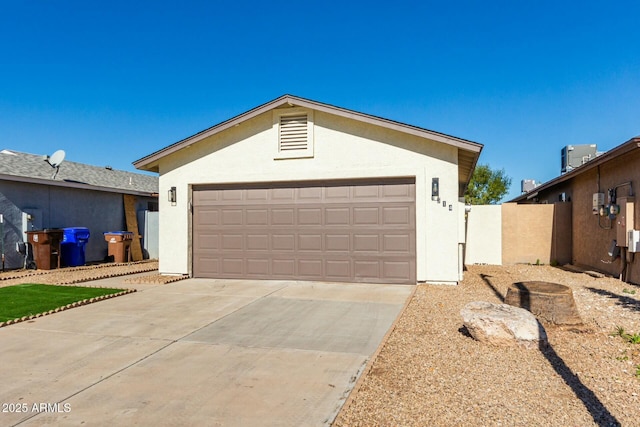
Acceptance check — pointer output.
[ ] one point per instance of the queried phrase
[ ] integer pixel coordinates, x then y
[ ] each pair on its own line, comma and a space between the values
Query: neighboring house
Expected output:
34, 197
296, 189
595, 191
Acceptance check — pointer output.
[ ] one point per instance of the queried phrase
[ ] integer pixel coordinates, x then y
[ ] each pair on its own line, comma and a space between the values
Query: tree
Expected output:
487, 186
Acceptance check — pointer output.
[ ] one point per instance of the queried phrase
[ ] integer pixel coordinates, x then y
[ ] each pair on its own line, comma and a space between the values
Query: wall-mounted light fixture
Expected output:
172, 196
435, 189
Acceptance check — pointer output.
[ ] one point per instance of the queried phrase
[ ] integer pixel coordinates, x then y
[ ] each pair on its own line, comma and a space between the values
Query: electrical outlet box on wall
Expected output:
624, 220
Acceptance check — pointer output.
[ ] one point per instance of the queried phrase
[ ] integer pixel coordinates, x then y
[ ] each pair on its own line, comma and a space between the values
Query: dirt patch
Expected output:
430, 372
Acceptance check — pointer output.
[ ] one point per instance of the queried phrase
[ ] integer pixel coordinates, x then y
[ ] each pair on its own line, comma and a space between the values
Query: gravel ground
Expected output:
72, 275
431, 373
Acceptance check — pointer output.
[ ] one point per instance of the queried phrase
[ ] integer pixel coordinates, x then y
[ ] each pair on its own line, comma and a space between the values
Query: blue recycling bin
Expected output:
74, 240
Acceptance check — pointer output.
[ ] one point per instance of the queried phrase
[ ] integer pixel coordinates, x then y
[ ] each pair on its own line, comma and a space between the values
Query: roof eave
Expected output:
78, 185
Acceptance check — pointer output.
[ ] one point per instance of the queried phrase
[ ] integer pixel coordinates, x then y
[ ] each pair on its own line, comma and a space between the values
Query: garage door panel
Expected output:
337, 216
232, 242
207, 242
258, 242
310, 193
284, 216
209, 265
310, 268
367, 192
310, 242
367, 269
257, 217
337, 194
283, 194
283, 267
397, 191
310, 216
283, 242
338, 270
258, 266
337, 242
232, 266
257, 194
353, 233
232, 195
366, 243
231, 217
209, 216
397, 269
366, 216
202, 198
396, 215
396, 243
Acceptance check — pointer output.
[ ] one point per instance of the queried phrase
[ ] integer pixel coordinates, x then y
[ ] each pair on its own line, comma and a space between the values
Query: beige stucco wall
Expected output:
513, 234
343, 149
536, 233
527, 233
484, 235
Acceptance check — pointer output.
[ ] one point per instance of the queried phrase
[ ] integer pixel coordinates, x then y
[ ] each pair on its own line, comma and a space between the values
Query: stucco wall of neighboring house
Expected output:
484, 235
61, 207
593, 234
343, 149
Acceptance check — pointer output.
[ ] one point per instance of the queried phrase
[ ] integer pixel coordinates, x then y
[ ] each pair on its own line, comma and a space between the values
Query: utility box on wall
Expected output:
634, 241
624, 220
598, 202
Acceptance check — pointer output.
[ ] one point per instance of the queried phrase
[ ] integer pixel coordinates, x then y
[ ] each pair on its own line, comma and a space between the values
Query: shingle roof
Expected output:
32, 167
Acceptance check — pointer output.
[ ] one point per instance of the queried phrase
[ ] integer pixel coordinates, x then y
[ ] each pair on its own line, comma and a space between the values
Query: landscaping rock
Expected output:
503, 325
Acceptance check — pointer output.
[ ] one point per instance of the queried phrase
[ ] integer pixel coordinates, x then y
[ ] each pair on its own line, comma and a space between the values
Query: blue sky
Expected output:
110, 82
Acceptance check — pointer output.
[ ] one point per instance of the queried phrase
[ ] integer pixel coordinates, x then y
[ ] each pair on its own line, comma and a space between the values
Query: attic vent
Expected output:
293, 132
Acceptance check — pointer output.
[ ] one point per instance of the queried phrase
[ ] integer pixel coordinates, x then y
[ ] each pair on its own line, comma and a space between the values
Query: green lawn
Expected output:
30, 299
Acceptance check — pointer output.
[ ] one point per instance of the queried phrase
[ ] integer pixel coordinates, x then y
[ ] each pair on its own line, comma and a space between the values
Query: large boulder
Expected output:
503, 325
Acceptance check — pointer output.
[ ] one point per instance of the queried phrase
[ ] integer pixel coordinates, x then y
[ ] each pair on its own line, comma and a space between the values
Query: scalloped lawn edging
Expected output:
117, 292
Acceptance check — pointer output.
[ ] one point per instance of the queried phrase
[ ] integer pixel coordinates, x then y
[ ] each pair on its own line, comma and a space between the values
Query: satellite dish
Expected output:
55, 161
56, 158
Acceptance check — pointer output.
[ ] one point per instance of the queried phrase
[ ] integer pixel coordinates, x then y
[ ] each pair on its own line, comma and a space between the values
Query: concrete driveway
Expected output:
197, 352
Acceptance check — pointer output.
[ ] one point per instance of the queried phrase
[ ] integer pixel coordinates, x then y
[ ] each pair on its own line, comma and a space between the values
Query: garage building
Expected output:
299, 190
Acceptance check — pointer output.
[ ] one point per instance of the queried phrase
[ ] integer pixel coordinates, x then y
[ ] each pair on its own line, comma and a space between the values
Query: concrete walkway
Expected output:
197, 352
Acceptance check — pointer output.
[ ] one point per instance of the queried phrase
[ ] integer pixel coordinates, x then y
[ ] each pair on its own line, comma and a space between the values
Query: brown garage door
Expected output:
346, 232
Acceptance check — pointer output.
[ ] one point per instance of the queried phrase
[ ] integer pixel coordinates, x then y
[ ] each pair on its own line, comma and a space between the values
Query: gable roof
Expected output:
32, 168
468, 151
622, 149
